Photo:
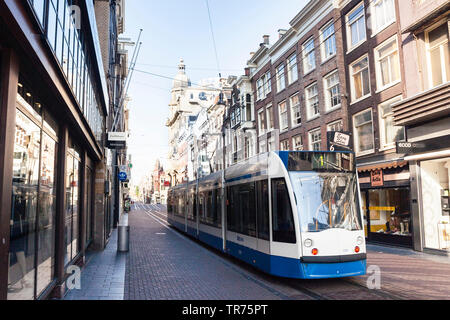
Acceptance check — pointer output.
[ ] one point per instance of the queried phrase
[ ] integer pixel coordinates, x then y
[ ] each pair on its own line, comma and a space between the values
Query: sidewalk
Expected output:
103, 278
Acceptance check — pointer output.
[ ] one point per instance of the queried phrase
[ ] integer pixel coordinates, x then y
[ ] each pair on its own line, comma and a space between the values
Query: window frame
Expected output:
324, 40
307, 102
327, 95
291, 75
282, 114
352, 81
306, 55
374, 17
382, 124
291, 107
262, 121
334, 123
281, 77
310, 140
377, 59
351, 46
428, 56
356, 136
294, 144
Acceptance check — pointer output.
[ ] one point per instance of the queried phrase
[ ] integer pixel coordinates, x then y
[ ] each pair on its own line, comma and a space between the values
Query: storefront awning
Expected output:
385, 165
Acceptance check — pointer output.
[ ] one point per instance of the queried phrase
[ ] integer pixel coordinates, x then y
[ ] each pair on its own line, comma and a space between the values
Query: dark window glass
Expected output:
282, 218
262, 196
218, 205
201, 209
232, 212
247, 209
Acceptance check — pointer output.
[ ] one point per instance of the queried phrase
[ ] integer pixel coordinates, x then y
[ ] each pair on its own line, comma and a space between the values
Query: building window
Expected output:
383, 14
295, 110
270, 124
356, 26
363, 132
387, 63
284, 145
328, 40
315, 140
332, 91
336, 126
260, 88
281, 81
309, 59
262, 146
389, 133
248, 108
262, 122
297, 143
360, 82
292, 69
312, 101
438, 55
284, 123
263, 86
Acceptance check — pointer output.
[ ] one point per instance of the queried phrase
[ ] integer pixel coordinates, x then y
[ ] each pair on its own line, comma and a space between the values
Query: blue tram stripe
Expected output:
277, 265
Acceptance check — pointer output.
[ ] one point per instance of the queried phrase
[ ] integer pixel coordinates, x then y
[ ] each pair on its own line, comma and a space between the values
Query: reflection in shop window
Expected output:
389, 211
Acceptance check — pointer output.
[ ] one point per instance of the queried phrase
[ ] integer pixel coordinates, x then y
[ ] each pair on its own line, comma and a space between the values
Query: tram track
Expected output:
269, 282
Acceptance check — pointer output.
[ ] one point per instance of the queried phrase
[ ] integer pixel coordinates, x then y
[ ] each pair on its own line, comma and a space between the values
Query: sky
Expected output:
174, 29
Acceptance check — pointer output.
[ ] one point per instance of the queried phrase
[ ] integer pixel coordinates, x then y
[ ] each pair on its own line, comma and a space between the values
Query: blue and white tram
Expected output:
290, 214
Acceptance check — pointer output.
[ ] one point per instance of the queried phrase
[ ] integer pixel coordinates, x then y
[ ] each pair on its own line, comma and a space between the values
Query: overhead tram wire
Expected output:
213, 38
124, 89
299, 53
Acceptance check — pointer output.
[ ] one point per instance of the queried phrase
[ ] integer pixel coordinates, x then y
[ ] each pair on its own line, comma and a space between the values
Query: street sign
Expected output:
123, 176
339, 141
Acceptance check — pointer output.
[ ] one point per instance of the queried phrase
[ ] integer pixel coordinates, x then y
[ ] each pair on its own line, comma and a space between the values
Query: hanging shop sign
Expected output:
376, 178
116, 140
339, 141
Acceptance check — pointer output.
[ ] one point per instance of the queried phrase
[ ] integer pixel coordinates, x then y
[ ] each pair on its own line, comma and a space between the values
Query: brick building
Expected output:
299, 82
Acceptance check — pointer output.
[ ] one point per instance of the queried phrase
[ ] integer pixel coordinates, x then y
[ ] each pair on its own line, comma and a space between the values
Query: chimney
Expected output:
281, 32
266, 39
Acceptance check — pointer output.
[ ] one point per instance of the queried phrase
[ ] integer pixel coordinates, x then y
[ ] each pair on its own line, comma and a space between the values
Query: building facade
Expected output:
187, 103
299, 80
54, 107
425, 113
374, 73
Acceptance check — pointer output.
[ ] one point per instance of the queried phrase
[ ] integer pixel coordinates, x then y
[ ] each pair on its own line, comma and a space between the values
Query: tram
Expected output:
289, 214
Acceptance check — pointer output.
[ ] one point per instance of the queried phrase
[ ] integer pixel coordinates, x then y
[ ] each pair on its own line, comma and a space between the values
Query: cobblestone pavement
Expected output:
103, 277
164, 264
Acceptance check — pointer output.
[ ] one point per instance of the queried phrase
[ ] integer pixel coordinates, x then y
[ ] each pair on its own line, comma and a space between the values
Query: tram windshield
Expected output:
326, 200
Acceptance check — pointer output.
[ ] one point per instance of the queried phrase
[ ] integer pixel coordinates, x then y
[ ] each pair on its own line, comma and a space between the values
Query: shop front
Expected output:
385, 196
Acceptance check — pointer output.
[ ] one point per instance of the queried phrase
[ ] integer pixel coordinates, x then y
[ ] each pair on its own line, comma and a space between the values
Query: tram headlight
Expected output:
360, 240
308, 243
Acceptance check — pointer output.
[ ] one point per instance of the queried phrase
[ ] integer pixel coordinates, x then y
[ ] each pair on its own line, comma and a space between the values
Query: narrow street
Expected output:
164, 264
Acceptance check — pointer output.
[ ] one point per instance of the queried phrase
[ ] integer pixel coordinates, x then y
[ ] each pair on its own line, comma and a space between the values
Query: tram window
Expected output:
194, 207
262, 196
200, 206
282, 218
218, 216
247, 209
232, 212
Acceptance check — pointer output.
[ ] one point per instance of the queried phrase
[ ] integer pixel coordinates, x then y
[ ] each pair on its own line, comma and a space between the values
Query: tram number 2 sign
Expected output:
339, 141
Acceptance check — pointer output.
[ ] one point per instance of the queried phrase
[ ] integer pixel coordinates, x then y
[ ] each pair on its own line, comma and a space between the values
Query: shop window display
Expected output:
435, 178
389, 211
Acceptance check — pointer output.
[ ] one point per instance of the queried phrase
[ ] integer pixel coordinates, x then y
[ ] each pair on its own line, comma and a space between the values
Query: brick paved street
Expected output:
163, 264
